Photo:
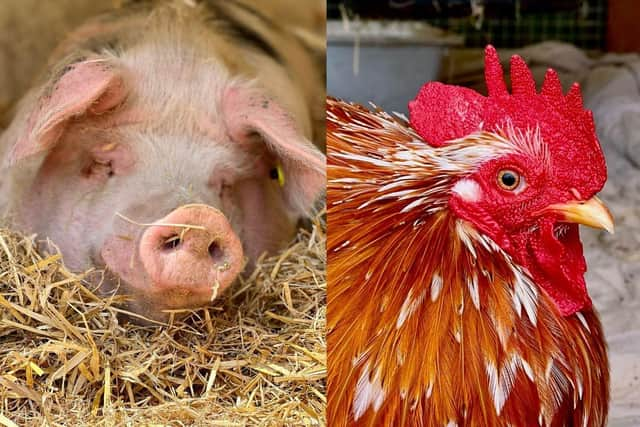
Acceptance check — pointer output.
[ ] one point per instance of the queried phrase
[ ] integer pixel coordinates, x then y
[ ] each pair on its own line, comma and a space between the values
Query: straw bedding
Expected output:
255, 357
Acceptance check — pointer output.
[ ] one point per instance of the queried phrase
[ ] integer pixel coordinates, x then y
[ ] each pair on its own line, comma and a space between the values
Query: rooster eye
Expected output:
508, 179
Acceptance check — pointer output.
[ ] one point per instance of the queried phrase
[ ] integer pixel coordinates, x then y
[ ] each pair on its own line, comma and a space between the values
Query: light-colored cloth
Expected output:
612, 92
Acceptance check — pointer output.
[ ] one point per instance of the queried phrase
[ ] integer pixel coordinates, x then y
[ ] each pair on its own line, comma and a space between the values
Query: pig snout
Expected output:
194, 249
183, 260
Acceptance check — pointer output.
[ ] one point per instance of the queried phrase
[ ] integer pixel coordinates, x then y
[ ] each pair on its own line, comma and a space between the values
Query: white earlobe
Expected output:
468, 190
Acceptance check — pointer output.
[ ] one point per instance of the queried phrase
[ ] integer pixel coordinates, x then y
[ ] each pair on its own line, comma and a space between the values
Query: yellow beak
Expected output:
591, 212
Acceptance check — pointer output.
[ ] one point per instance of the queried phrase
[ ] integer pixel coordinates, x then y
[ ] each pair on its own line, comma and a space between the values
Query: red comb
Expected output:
522, 83
441, 113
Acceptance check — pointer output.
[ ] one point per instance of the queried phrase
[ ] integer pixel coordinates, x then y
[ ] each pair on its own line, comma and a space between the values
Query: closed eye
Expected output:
98, 170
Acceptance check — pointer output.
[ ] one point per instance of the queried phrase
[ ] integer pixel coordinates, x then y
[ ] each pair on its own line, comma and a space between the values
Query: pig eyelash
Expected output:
98, 170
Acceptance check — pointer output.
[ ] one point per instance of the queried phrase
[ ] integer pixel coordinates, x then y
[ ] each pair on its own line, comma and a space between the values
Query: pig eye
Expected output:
98, 169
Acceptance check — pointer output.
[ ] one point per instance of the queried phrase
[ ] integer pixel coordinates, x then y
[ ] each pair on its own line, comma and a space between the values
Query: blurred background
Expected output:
384, 51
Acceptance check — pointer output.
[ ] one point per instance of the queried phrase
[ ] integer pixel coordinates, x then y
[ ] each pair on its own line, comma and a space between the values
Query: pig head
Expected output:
168, 181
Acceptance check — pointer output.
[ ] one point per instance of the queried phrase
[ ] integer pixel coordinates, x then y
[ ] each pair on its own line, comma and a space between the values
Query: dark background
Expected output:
506, 23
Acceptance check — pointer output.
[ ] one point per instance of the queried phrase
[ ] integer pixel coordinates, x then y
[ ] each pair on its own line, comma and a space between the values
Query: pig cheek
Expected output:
45, 198
53, 211
59, 206
121, 256
266, 225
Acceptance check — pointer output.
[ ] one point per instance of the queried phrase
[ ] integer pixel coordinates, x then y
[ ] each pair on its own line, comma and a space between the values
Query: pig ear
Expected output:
249, 112
89, 87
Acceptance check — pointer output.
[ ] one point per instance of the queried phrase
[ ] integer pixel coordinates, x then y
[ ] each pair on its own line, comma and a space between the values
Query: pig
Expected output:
167, 144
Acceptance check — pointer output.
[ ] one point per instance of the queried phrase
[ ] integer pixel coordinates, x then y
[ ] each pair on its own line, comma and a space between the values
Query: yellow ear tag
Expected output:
277, 173
280, 175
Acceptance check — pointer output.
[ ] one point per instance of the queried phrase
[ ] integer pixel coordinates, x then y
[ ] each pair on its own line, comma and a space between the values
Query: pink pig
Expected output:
152, 151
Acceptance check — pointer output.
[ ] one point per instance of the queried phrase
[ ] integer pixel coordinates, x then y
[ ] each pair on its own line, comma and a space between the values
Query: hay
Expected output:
255, 357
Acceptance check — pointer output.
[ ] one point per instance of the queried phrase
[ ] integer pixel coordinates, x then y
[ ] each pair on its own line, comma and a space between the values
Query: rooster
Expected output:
457, 293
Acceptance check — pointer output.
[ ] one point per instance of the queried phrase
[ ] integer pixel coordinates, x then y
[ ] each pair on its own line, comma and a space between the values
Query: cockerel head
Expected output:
537, 166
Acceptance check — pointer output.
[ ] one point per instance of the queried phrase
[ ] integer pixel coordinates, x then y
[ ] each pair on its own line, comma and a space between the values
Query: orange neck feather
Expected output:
428, 319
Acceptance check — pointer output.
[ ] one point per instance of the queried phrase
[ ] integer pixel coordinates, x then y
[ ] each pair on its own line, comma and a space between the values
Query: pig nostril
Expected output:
171, 243
215, 252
